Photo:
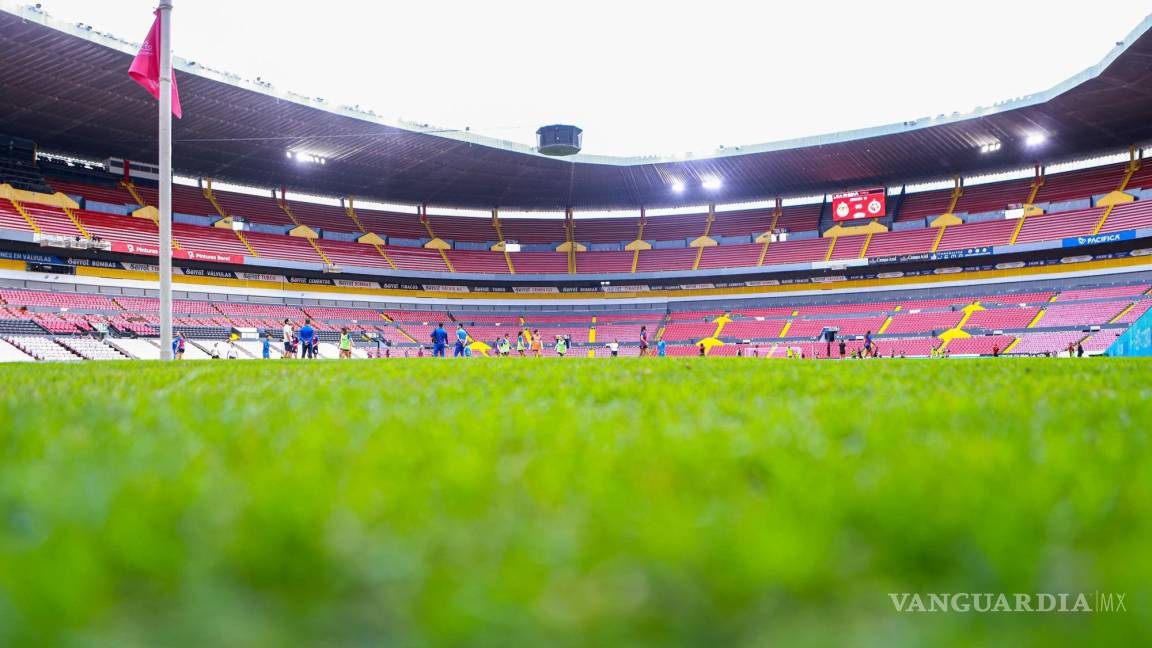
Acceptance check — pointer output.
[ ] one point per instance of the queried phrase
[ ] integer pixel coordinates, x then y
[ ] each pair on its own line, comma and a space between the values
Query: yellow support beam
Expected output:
1133, 167
939, 237
316, 246
968, 310
131, 188
288, 210
386, 257
1037, 182
721, 322
957, 191
699, 254
500, 237
27, 217
244, 240
763, 252
1036, 320
885, 325
76, 221
1010, 346
350, 211
1122, 313
447, 262
832, 248
1016, 232
635, 259
867, 242
207, 191
570, 232
787, 327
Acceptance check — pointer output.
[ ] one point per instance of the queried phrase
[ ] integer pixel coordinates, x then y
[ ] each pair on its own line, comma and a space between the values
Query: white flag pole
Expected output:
165, 179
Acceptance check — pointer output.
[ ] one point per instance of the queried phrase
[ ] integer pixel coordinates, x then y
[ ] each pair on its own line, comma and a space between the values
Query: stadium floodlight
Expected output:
1035, 139
990, 147
309, 158
712, 183
677, 186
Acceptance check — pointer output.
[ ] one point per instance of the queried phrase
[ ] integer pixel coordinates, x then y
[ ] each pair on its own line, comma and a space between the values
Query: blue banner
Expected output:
1110, 237
34, 258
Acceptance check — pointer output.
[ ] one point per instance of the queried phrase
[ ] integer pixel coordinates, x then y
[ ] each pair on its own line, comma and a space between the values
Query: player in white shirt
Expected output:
287, 338
614, 347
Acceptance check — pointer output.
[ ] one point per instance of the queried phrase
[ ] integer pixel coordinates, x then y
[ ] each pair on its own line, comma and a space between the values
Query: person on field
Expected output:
661, 348
266, 347
307, 335
537, 343
702, 350
614, 348
1079, 350
461, 341
643, 341
843, 348
520, 343
995, 350
345, 344
286, 334
439, 342
178, 346
561, 345
869, 348
505, 346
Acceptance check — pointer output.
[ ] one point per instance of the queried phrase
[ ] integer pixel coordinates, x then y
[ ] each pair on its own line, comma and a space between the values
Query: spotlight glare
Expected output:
678, 186
1035, 139
712, 183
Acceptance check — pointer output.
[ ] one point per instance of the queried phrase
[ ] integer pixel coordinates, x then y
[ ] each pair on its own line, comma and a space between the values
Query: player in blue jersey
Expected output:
439, 341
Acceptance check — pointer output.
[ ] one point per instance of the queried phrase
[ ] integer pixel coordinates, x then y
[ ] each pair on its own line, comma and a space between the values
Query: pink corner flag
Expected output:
145, 68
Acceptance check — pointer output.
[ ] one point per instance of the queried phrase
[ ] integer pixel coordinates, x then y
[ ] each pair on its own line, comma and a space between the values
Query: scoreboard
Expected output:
854, 205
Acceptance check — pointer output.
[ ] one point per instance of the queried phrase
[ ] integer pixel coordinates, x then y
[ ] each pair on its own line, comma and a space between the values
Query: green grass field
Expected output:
658, 502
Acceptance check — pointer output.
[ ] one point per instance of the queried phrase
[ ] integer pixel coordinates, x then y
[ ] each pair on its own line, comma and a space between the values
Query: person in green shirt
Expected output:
345, 343
561, 345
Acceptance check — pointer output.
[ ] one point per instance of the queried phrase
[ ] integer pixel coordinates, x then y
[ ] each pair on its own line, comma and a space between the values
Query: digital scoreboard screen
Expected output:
855, 205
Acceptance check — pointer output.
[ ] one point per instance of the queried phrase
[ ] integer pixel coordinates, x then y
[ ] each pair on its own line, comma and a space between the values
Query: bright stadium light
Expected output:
990, 147
1035, 139
310, 158
677, 186
712, 183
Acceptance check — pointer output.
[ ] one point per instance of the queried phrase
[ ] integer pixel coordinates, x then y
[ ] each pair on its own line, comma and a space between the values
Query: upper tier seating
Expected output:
604, 262
731, 256
1050, 227
993, 196
998, 319
1134, 215
906, 242
924, 204
255, 209
959, 237
1080, 184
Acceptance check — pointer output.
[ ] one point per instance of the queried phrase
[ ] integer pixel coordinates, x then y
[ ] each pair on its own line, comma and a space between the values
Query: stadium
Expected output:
761, 395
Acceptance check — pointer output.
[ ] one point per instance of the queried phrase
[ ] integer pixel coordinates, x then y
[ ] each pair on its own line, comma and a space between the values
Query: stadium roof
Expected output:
66, 87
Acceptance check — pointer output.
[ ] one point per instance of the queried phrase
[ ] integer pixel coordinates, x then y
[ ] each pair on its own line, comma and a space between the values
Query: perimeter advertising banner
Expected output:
191, 255
855, 205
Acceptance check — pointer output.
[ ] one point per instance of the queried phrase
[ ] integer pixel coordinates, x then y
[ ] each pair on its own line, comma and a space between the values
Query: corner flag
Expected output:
145, 68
